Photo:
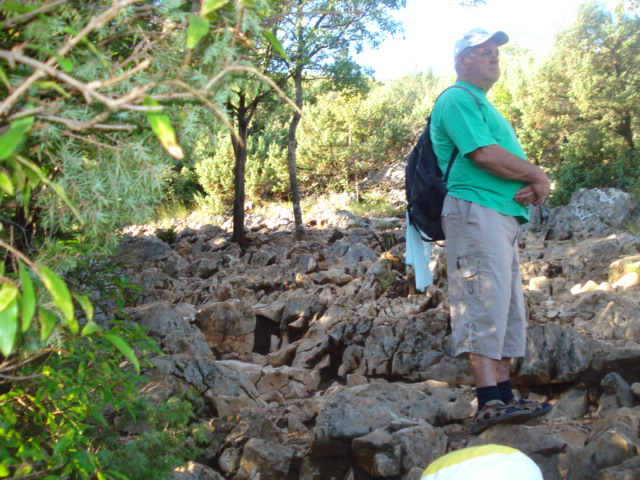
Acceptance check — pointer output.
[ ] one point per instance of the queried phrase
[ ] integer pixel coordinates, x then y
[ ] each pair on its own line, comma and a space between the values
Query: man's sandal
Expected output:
536, 408
495, 412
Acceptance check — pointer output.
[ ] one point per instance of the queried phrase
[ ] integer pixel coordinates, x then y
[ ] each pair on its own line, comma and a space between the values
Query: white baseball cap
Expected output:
476, 37
483, 462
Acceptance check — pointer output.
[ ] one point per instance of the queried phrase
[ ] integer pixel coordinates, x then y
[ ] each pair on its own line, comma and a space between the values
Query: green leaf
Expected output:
64, 443
32, 167
124, 349
95, 413
8, 327
198, 28
12, 137
275, 43
16, 7
49, 85
61, 296
8, 293
28, 301
6, 184
161, 126
66, 64
249, 3
209, 6
85, 303
90, 328
47, 322
4, 78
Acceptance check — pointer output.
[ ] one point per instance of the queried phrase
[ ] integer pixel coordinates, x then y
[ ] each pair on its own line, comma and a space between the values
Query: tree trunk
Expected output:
240, 151
291, 152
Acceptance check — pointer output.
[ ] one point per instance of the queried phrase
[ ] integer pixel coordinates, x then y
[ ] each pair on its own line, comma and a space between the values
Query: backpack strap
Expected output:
455, 150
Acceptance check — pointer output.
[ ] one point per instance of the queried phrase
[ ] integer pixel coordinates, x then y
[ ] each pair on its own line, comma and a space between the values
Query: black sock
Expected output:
504, 388
486, 394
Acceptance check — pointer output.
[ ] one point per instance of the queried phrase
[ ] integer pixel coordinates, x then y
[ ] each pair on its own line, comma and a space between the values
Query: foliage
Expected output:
320, 37
343, 138
582, 115
56, 405
96, 80
267, 167
85, 135
79, 115
168, 442
374, 203
215, 173
328, 143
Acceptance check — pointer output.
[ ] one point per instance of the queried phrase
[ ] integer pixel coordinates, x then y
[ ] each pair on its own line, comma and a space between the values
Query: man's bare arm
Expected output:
502, 163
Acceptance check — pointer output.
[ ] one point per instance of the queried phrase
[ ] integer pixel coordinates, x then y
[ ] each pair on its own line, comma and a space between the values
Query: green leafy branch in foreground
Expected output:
53, 419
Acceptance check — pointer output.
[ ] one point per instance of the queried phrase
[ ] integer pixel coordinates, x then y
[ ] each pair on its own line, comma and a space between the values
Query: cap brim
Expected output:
500, 38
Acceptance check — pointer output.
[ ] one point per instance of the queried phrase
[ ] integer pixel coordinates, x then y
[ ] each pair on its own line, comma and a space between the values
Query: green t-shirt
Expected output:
457, 120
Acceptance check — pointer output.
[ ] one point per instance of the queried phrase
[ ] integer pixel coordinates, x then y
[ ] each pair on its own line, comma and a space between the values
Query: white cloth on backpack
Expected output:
418, 255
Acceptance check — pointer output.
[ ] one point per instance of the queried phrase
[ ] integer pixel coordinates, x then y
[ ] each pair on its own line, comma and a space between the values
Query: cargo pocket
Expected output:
470, 268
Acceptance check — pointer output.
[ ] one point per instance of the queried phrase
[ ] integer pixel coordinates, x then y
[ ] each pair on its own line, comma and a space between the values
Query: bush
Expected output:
55, 407
615, 170
58, 414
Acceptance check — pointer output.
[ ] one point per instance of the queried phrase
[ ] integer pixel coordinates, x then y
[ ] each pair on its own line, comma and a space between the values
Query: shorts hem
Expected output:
465, 351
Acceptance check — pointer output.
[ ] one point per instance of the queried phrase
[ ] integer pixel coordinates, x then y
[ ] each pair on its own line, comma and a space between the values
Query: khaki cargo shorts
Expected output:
485, 286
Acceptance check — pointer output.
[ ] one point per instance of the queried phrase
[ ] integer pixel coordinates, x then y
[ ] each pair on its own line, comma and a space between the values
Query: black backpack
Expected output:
425, 185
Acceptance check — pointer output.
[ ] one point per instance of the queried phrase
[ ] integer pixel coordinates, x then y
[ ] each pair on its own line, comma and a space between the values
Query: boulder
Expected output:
348, 413
228, 326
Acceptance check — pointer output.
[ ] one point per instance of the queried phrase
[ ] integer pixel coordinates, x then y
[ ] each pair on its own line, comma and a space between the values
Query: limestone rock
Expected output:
228, 326
398, 447
616, 394
554, 354
195, 471
348, 413
265, 458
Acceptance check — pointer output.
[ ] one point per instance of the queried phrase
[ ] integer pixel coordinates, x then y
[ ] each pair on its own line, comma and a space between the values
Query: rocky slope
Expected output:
314, 358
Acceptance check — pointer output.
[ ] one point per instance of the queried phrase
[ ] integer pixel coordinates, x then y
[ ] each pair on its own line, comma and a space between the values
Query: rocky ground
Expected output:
314, 358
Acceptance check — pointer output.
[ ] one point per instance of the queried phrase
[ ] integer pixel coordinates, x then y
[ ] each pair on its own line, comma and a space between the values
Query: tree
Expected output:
81, 115
319, 37
83, 140
583, 113
247, 95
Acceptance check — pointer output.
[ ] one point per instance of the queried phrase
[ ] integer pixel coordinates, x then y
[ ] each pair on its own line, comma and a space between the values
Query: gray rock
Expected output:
616, 394
264, 459
627, 470
572, 405
554, 354
228, 326
398, 448
348, 413
138, 250
223, 388
592, 212
635, 389
177, 335
613, 441
195, 471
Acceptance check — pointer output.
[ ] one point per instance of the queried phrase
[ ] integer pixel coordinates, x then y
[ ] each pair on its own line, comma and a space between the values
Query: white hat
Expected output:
483, 462
476, 37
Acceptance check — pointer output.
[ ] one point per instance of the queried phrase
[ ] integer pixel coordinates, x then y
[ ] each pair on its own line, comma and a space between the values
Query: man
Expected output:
489, 190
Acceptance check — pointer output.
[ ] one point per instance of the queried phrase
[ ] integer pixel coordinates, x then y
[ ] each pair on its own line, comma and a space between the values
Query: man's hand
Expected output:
535, 193
502, 163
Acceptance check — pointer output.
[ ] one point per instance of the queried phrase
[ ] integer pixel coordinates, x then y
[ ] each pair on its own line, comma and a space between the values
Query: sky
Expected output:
433, 26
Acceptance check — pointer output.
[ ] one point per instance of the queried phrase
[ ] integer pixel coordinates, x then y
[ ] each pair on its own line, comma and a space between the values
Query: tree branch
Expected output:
11, 22
42, 68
